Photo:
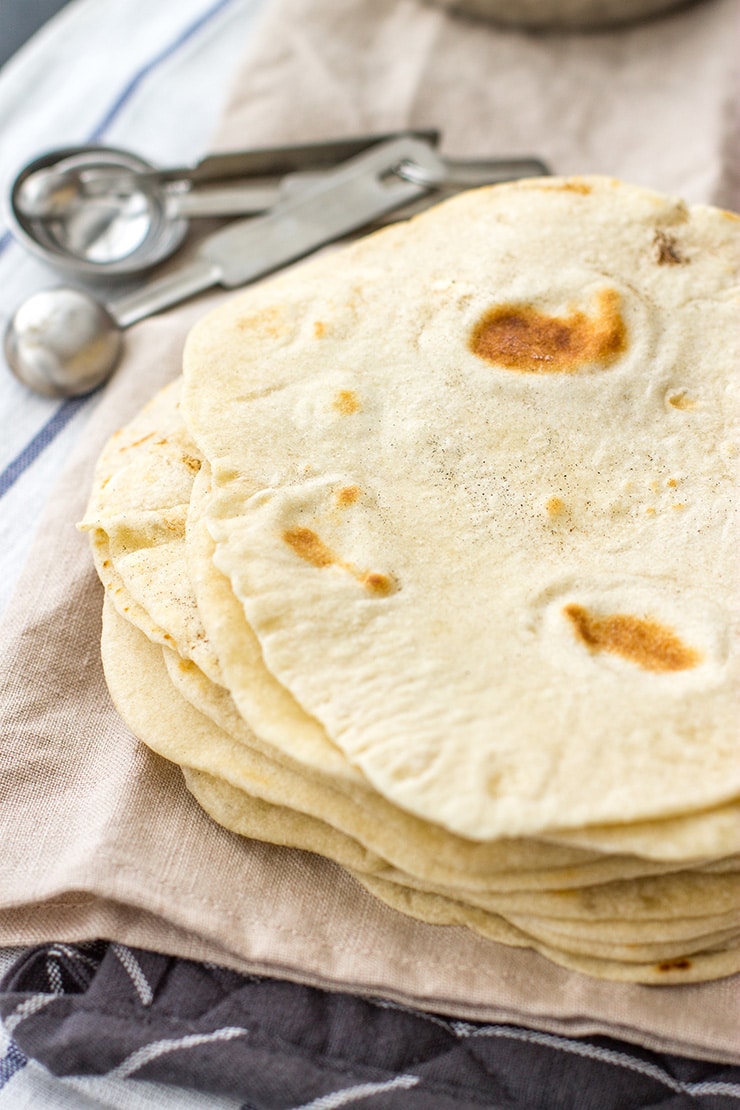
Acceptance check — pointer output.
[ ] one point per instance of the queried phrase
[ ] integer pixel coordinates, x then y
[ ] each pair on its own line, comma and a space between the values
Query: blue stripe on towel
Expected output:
10, 1063
56, 423
126, 94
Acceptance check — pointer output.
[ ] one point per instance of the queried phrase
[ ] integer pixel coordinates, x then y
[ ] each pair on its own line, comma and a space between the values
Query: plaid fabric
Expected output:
179, 1027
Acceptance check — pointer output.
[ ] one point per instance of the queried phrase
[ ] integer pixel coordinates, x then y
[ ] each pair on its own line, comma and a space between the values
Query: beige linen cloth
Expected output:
99, 837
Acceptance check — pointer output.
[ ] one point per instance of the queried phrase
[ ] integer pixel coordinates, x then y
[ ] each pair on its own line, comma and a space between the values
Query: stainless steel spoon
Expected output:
62, 342
98, 211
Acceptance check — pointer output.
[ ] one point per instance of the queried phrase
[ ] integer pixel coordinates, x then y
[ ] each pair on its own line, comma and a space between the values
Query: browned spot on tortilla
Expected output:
681, 401
137, 442
192, 463
307, 545
520, 337
269, 321
575, 186
346, 402
680, 505
682, 964
671, 482
666, 250
569, 185
347, 495
319, 327
555, 506
379, 584
493, 784
106, 562
646, 643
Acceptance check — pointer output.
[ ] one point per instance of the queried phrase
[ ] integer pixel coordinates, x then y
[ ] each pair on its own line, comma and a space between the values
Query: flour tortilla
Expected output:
137, 680
251, 817
139, 684
698, 837
117, 502
508, 594
714, 963
417, 848
270, 708
136, 518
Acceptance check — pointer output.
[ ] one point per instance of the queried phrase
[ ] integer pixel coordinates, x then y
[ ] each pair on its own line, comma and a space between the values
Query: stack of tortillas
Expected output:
429, 563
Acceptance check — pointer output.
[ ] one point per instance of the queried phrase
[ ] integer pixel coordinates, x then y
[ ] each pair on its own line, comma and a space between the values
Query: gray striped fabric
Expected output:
124, 1014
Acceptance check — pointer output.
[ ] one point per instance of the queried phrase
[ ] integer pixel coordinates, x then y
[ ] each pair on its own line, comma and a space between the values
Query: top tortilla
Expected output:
473, 486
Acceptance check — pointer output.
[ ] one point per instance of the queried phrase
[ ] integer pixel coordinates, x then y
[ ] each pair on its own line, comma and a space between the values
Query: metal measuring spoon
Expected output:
98, 211
95, 214
63, 342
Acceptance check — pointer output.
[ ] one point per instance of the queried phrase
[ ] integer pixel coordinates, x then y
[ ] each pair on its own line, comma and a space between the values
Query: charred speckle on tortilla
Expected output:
666, 250
379, 584
555, 507
346, 402
681, 401
675, 965
310, 547
646, 643
347, 495
520, 337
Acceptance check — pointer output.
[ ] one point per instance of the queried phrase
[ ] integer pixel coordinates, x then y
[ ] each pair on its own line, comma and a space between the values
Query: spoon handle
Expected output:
223, 200
187, 280
278, 160
333, 204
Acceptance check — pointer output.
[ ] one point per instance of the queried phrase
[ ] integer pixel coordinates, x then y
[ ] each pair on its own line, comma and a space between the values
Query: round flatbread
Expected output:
474, 488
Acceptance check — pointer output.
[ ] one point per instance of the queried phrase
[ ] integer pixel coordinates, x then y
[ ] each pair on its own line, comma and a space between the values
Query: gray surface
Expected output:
19, 19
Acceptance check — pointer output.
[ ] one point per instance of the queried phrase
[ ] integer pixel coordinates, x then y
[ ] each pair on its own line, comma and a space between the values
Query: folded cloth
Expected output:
100, 837
111, 1010
653, 103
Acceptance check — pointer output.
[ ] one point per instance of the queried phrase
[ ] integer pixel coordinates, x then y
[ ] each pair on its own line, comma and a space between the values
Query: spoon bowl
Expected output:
63, 343
88, 211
